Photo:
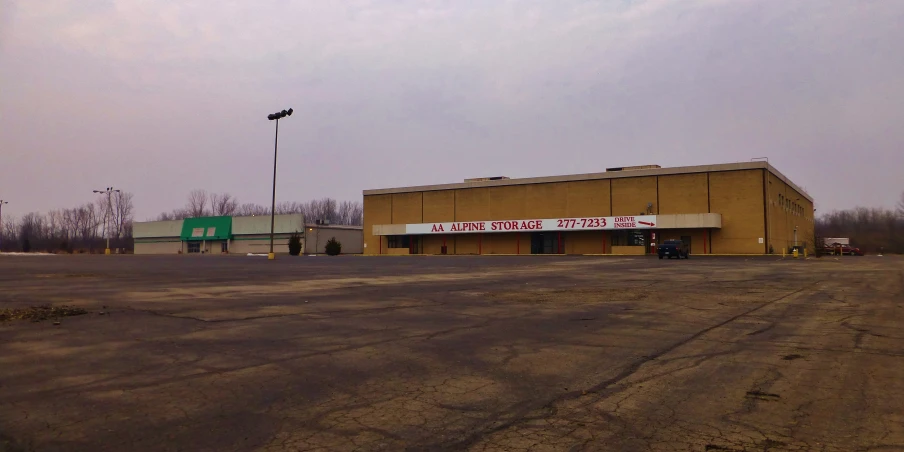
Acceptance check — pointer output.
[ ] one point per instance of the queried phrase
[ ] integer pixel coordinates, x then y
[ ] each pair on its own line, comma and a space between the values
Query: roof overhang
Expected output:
676, 221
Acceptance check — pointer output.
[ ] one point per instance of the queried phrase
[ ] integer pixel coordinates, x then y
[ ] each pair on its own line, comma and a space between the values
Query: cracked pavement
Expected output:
454, 353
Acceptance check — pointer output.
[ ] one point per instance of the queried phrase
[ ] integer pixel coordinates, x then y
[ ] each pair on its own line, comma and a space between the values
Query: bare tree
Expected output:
288, 207
31, 228
223, 204
70, 223
103, 214
175, 214
350, 213
9, 230
868, 229
249, 209
197, 203
55, 225
121, 215
326, 209
88, 221
901, 206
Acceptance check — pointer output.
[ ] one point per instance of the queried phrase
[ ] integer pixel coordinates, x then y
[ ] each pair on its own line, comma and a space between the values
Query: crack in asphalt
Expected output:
603, 388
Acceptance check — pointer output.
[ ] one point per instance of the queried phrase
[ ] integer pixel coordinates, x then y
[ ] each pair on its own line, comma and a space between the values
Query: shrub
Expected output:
295, 244
333, 247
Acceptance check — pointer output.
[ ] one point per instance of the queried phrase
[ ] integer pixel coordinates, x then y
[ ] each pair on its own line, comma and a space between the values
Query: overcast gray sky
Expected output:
159, 97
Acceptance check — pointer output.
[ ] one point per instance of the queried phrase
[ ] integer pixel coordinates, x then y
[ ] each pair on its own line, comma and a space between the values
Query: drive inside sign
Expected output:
550, 224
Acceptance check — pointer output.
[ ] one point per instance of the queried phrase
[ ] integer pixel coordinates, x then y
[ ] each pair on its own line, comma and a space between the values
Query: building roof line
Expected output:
596, 176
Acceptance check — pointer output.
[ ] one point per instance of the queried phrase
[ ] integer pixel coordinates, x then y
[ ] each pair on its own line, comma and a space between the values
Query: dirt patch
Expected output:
791, 357
715, 448
40, 313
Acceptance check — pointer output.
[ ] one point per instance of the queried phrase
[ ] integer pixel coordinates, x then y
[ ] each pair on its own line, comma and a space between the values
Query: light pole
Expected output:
2, 202
275, 117
109, 192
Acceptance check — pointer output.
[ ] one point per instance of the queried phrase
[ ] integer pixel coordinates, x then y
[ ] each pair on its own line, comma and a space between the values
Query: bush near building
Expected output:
333, 247
295, 244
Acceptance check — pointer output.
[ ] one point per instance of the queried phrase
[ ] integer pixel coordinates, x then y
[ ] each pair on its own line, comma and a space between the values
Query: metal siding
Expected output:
153, 229
260, 224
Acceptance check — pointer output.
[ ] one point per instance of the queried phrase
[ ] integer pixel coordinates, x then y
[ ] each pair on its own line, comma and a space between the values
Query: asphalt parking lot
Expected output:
453, 353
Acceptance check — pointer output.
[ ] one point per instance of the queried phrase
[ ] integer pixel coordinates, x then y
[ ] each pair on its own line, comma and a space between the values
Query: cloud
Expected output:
386, 89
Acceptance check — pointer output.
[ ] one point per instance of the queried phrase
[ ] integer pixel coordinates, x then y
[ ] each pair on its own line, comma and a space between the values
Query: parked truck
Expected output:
673, 248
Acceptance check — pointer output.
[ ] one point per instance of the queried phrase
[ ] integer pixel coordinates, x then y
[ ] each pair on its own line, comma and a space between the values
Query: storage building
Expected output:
735, 208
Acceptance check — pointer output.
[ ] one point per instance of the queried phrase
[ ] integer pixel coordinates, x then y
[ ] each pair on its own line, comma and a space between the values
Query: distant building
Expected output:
241, 235
734, 208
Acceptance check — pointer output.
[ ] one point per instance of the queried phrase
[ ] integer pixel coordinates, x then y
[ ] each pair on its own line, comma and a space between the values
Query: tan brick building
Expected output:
736, 208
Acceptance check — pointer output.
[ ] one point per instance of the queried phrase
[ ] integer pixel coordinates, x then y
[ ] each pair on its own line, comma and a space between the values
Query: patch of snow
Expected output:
27, 254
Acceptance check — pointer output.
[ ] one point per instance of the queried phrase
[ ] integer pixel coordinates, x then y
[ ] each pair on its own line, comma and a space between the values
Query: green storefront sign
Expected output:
206, 229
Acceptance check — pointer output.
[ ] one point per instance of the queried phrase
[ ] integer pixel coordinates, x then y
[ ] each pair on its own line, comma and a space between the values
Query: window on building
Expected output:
398, 241
194, 247
211, 231
629, 238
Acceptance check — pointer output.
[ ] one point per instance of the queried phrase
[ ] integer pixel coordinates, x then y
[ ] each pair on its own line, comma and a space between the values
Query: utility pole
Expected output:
275, 117
2, 202
109, 192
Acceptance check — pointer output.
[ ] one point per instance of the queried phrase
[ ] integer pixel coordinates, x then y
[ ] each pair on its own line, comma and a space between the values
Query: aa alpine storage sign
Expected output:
551, 224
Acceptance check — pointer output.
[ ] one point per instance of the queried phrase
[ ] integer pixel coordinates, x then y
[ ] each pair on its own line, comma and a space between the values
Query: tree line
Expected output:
79, 229
85, 228
200, 203
870, 229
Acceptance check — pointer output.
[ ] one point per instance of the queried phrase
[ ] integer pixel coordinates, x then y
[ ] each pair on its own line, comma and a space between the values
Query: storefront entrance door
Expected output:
547, 243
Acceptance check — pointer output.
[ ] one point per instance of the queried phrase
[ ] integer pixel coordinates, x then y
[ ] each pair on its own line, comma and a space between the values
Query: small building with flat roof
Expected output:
241, 235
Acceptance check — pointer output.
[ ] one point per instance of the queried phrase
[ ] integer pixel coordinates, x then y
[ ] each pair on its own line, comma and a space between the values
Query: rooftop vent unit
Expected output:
633, 168
482, 179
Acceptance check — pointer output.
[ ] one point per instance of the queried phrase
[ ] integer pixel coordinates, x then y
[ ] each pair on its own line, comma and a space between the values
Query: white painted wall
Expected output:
148, 229
260, 224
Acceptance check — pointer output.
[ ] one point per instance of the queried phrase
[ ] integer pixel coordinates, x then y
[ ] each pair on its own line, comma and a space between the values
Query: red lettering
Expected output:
454, 227
483, 226
538, 224
437, 228
513, 225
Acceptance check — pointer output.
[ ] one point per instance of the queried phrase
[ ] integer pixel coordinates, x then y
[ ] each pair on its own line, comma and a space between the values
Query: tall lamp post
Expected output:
275, 117
109, 192
2, 202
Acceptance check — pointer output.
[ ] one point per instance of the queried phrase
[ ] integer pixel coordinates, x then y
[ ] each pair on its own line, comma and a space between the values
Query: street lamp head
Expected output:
283, 114
289, 112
